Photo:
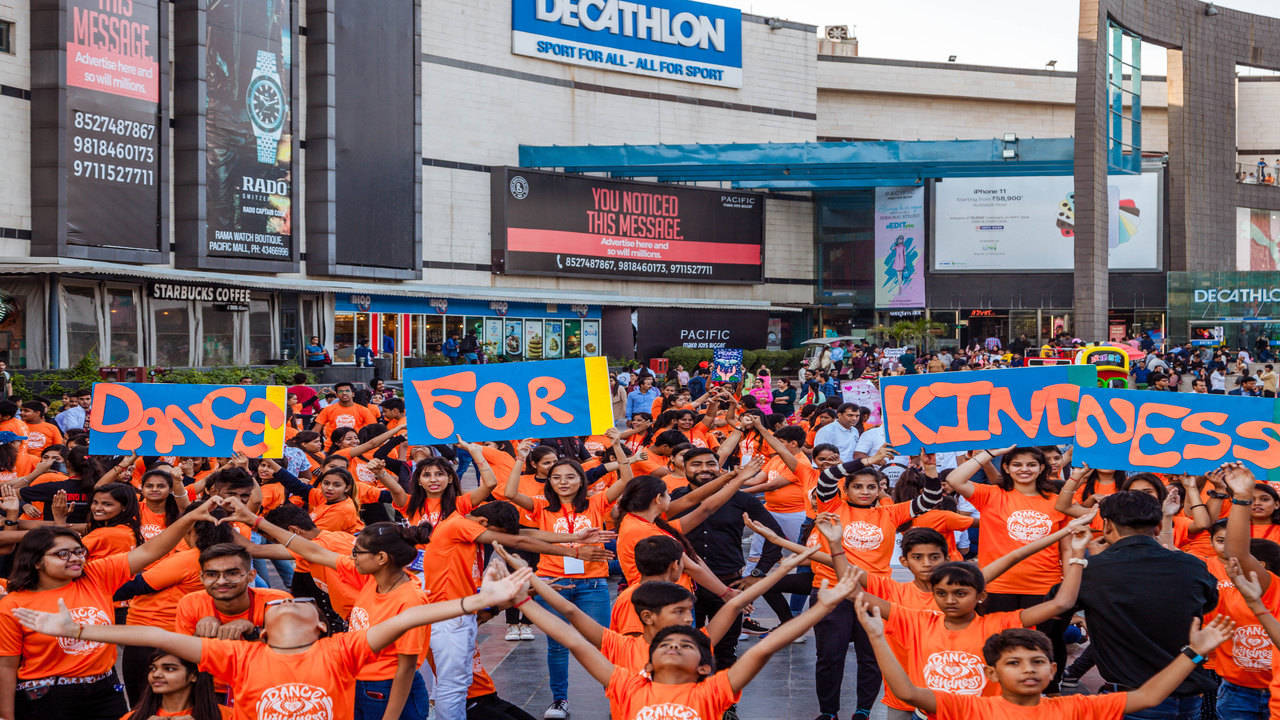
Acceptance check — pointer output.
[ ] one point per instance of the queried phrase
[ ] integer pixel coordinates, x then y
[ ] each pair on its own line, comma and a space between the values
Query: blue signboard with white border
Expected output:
671, 39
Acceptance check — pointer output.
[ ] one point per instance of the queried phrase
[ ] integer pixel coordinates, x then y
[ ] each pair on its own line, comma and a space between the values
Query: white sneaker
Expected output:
558, 710
526, 632
513, 633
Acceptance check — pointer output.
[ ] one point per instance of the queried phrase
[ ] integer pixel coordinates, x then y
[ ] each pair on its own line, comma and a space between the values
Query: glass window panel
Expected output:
260, 335
219, 336
123, 315
364, 332
435, 334
172, 322
417, 336
389, 338
82, 322
344, 338
453, 325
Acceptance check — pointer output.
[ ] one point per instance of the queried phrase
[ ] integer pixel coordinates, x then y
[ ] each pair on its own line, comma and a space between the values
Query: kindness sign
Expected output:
187, 420
947, 412
500, 401
1177, 432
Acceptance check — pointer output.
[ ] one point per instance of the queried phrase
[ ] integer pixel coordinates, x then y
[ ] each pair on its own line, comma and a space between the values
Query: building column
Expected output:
1091, 282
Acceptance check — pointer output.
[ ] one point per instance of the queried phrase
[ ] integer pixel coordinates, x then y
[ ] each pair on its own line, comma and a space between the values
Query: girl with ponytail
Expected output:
376, 573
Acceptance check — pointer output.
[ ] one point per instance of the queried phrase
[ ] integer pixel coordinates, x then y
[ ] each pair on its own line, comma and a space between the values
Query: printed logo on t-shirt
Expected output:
956, 672
1028, 525
359, 619
580, 523
1225, 584
365, 475
861, 535
1251, 648
36, 439
150, 530
344, 420
84, 616
667, 711
295, 701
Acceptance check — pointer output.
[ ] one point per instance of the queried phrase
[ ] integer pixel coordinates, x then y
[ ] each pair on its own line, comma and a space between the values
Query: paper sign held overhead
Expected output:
187, 420
502, 401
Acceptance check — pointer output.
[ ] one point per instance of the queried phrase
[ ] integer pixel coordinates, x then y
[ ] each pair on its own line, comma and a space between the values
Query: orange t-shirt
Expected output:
431, 513
269, 685
1244, 659
702, 436
173, 577
193, 607
365, 493
341, 516
499, 461
41, 436
567, 522
943, 660
628, 651
22, 466
372, 607
623, 618
89, 599
1069, 707
14, 425
1009, 521
633, 696
947, 523
529, 485
109, 540
152, 523
335, 416
481, 683
631, 530
340, 596
223, 711
868, 535
453, 563
905, 595
789, 498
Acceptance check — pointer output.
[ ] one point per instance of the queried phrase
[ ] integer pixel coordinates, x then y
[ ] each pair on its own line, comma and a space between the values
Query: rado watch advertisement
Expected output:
250, 129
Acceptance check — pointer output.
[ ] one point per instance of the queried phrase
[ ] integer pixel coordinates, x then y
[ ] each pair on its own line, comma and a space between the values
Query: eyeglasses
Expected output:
357, 551
291, 601
232, 575
65, 555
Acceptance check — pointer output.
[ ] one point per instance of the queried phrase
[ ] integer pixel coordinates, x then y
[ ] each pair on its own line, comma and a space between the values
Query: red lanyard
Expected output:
570, 519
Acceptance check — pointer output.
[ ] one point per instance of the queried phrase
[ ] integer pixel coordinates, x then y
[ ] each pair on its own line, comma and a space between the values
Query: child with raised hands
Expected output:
1020, 663
1255, 592
679, 667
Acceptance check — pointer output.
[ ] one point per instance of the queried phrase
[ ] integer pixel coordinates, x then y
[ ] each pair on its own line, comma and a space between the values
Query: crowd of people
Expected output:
348, 579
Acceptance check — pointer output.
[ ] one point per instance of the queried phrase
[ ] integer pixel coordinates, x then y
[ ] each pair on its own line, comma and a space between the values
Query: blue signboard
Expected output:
187, 420
672, 39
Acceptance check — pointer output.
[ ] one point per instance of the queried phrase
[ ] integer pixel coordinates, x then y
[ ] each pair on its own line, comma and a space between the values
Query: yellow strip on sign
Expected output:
274, 436
600, 402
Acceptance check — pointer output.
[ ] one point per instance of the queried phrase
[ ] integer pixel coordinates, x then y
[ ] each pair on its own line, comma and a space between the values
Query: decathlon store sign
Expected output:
672, 39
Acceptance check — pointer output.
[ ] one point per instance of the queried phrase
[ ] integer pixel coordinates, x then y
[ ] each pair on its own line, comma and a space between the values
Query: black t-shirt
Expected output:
78, 498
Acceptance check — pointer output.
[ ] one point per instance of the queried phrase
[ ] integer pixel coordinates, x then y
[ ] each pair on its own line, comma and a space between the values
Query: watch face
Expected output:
266, 104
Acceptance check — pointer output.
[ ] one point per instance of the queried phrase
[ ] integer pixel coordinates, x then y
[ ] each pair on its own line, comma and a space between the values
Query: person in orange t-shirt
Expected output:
340, 510
163, 499
387, 684
659, 559
40, 432
344, 413
785, 479
437, 491
154, 596
293, 672
15, 461
114, 526
334, 598
51, 567
680, 667
1015, 664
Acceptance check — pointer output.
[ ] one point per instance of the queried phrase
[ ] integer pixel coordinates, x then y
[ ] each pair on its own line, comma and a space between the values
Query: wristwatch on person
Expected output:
1192, 655
1082, 562
265, 103
1218, 495
755, 573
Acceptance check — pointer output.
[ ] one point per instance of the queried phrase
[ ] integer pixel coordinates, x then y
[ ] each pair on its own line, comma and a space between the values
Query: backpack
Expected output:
469, 344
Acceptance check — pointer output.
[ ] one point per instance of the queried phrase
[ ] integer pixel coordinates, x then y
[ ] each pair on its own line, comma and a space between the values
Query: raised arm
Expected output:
625, 473
376, 441
1000, 565
704, 509
488, 481
293, 542
160, 545
586, 653
778, 446
493, 591
1161, 685
724, 618
1251, 589
61, 624
581, 622
512, 489
1241, 483
1066, 503
894, 676
729, 445
1193, 506
695, 496
1065, 598
959, 479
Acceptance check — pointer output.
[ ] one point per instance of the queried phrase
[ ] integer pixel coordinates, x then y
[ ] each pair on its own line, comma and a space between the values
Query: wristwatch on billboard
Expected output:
266, 105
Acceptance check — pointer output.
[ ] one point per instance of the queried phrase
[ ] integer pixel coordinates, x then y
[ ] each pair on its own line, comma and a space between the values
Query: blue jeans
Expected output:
591, 595
1242, 703
1173, 708
371, 699
284, 568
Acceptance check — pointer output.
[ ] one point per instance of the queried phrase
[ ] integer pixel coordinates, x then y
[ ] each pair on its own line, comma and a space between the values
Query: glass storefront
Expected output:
1236, 309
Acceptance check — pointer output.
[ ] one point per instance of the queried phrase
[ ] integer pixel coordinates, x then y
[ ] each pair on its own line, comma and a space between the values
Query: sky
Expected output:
1010, 33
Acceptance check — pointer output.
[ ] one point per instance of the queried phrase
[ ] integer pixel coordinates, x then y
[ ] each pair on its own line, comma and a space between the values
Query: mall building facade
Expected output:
192, 187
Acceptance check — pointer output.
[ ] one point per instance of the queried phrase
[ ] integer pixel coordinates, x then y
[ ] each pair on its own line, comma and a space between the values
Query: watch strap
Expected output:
1192, 655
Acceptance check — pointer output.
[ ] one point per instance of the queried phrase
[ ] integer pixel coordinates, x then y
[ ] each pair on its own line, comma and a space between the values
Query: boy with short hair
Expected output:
1020, 663
658, 559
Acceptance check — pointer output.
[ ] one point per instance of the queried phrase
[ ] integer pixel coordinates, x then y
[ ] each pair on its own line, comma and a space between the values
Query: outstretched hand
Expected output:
869, 616
1249, 586
503, 590
1204, 639
58, 624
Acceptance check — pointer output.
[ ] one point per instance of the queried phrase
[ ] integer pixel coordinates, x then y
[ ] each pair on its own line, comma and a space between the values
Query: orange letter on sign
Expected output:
1002, 403
1161, 435
540, 406
1195, 424
1089, 409
1050, 399
902, 422
961, 432
1269, 457
132, 403
487, 406
439, 424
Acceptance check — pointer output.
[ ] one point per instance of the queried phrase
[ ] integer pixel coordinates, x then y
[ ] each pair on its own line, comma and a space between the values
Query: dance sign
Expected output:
1177, 432
950, 412
547, 399
187, 420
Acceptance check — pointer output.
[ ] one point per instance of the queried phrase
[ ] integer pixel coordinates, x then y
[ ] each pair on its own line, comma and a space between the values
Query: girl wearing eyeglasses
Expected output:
44, 677
388, 686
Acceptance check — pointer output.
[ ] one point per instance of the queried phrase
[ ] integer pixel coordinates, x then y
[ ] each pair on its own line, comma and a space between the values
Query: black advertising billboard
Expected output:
249, 126
658, 329
112, 141
576, 226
